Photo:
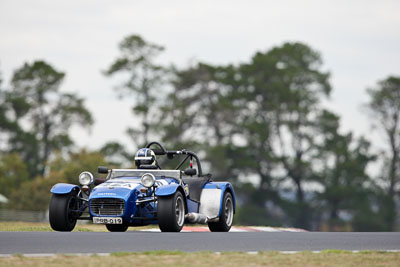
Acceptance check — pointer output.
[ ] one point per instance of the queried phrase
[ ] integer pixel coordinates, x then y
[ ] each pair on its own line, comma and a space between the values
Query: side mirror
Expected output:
102, 169
190, 172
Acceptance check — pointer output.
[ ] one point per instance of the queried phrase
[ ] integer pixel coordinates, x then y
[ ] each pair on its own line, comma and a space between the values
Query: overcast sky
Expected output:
359, 41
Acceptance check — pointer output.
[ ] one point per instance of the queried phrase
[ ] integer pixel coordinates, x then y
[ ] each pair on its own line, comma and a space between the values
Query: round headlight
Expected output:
148, 180
85, 178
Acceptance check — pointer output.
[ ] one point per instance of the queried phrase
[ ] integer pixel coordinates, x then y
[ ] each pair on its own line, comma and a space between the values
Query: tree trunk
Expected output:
333, 217
393, 164
303, 214
392, 177
46, 145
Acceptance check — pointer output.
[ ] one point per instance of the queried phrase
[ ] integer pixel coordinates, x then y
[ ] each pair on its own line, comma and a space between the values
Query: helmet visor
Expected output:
144, 160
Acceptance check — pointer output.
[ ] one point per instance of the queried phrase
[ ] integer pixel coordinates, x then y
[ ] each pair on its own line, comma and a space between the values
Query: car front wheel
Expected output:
171, 212
63, 211
226, 218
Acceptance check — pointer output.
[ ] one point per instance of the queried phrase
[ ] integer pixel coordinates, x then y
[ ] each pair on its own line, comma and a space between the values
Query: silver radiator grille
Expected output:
107, 206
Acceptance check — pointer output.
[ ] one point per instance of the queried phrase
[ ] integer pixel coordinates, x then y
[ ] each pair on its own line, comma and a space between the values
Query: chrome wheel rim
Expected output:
179, 211
228, 211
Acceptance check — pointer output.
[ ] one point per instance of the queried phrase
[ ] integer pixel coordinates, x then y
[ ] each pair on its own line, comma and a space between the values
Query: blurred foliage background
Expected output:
260, 124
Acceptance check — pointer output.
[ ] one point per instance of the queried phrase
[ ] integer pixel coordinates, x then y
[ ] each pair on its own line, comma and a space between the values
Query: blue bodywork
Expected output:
139, 203
167, 189
61, 188
148, 194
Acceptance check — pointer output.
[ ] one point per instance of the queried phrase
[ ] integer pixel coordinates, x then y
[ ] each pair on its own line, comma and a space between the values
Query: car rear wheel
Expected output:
171, 212
226, 218
117, 227
63, 211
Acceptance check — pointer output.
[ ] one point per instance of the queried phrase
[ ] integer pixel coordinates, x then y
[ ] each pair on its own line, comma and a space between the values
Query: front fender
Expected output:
167, 190
61, 188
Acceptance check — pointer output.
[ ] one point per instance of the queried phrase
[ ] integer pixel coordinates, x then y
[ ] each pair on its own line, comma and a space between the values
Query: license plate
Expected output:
107, 220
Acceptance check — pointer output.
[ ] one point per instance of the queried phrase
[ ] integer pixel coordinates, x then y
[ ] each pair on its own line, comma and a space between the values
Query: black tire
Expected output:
117, 227
226, 219
61, 216
171, 212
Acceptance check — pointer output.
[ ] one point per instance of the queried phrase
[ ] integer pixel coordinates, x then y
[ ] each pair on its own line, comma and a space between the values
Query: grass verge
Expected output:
176, 258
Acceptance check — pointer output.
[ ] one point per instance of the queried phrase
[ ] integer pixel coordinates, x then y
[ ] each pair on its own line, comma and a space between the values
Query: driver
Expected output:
145, 158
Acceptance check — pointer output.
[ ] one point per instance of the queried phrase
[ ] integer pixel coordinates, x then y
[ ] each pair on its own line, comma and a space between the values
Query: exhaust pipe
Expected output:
196, 218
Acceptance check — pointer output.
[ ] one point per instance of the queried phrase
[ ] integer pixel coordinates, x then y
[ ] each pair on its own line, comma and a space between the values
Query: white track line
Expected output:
40, 255
45, 255
240, 229
266, 229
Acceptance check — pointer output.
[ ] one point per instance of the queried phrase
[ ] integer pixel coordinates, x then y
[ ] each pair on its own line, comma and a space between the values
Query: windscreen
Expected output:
115, 173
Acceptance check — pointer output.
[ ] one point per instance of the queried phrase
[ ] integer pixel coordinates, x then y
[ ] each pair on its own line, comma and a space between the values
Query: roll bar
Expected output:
170, 153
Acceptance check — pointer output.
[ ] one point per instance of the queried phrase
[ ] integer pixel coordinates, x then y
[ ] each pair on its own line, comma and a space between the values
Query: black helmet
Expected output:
145, 156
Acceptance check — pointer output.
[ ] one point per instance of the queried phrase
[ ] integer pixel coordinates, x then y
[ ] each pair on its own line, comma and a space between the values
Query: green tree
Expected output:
384, 107
144, 82
7, 125
254, 120
116, 154
76, 163
13, 172
35, 194
342, 161
199, 114
285, 87
42, 113
204, 112
373, 211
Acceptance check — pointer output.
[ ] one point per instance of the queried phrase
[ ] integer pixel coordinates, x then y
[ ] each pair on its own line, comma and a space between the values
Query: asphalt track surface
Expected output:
104, 242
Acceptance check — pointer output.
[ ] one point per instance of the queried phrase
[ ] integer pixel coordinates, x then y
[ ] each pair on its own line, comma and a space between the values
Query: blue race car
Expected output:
146, 195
